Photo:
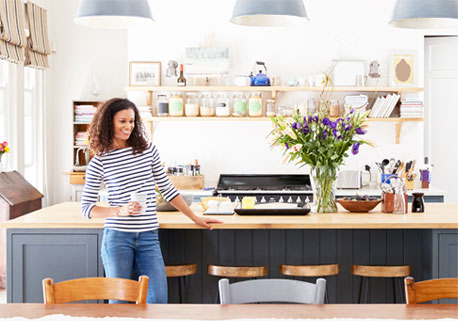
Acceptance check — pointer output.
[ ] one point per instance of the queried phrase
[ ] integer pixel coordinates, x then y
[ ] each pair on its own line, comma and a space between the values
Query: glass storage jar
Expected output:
334, 110
191, 107
223, 108
176, 104
255, 104
270, 107
239, 108
207, 107
162, 105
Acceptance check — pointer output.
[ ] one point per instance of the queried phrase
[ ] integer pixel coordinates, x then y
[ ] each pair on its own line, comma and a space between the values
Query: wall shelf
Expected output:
273, 89
148, 90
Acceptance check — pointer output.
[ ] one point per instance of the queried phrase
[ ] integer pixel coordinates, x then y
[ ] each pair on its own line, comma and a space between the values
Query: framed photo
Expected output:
144, 73
346, 72
403, 68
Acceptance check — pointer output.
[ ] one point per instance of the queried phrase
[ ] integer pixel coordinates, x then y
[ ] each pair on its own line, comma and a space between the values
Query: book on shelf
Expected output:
384, 106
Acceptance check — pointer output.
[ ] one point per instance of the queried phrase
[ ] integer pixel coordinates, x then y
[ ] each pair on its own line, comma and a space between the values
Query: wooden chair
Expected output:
272, 290
96, 289
379, 271
320, 270
181, 272
418, 292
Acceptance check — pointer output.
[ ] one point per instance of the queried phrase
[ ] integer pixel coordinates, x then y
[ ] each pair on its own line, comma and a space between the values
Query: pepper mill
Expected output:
418, 204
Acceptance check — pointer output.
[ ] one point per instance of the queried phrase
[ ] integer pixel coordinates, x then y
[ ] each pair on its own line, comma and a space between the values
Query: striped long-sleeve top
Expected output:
123, 174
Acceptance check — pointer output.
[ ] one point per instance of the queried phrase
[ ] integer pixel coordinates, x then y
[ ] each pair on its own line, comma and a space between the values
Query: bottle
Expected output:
197, 168
255, 105
181, 81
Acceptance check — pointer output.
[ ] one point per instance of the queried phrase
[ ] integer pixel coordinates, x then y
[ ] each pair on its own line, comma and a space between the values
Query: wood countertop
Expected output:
232, 311
436, 216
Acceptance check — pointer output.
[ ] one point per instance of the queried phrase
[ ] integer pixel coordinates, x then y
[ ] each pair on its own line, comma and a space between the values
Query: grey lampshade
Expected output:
269, 13
114, 14
425, 14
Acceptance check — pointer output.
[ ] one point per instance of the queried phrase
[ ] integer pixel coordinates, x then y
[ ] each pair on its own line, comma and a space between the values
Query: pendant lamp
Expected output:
114, 14
425, 14
269, 13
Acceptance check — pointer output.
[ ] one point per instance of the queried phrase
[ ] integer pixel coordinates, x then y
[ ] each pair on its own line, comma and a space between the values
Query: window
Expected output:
32, 126
3, 101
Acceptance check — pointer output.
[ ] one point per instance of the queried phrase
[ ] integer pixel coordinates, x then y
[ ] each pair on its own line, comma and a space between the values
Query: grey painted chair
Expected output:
272, 290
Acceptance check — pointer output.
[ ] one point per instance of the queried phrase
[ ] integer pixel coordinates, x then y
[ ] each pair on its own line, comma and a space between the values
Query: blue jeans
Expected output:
122, 252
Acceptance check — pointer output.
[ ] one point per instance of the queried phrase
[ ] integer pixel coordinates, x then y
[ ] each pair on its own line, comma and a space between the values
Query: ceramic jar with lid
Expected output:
239, 107
176, 104
223, 108
255, 104
207, 105
162, 105
191, 107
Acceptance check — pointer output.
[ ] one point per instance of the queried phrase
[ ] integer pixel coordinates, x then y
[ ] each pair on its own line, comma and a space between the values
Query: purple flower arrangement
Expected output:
321, 142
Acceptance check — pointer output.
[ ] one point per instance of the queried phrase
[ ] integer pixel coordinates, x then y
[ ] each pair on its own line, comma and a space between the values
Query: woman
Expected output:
128, 164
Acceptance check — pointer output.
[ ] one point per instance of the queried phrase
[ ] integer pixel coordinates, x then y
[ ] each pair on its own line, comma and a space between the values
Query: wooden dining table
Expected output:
235, 311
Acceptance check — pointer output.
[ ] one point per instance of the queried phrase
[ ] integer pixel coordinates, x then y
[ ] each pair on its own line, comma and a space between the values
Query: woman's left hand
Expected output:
204, 221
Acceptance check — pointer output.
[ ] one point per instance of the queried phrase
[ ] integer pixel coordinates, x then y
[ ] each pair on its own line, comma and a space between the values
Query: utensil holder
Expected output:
388, 202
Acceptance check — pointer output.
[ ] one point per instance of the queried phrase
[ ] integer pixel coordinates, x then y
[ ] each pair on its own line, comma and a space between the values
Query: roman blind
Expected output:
38, 48
12, 30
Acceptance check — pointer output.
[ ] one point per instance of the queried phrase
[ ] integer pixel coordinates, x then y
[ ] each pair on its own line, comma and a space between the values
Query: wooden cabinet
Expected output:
274, 90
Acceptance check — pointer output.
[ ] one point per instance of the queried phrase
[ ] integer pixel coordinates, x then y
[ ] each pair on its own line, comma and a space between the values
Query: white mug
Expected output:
141, 198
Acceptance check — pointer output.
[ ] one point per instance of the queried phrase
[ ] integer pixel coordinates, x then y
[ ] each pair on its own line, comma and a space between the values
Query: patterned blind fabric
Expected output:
12, 30
38, 48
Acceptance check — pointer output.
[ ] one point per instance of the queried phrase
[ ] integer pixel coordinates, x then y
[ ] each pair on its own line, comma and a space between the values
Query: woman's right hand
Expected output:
131, 208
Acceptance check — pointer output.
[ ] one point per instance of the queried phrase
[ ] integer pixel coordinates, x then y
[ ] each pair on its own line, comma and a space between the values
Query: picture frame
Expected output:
144, 73
345, 72
403, 68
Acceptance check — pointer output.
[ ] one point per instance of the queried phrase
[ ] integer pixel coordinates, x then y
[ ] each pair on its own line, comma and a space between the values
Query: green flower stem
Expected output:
324, 181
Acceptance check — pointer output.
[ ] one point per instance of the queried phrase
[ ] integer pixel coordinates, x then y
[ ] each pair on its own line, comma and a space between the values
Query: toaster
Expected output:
349, 180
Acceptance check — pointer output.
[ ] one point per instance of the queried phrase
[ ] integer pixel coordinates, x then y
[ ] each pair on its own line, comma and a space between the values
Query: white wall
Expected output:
355, 29
81, 54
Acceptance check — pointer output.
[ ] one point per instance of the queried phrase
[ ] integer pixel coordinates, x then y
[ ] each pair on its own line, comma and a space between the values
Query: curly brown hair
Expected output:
101, 130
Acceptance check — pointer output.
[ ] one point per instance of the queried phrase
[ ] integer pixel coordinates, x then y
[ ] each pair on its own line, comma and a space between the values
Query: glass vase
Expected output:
1, 164
324, 186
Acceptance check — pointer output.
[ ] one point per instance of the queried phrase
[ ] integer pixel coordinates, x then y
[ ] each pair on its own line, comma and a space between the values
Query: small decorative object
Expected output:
144, 73
403, 68
4, 148
171, 69
374, 69
418, 204
345, 72
321, 143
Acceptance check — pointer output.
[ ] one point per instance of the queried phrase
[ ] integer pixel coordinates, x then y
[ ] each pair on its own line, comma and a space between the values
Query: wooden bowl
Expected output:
358, 206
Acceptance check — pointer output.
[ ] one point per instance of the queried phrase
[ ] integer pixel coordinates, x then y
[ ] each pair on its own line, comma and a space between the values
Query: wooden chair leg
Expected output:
360, 296
180, 289
394, 290
366, 296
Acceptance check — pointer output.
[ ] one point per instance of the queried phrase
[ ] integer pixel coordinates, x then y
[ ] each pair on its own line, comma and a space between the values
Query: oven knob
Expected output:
281, 200
237, 199
290, 200
271, 200
255, 199
298, 200
263, 200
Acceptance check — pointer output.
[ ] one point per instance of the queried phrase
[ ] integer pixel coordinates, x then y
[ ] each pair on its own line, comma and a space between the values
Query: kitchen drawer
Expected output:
77, 179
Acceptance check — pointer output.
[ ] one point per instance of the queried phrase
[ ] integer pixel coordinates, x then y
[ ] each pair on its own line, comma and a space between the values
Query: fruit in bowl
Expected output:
359, 204
163, 206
